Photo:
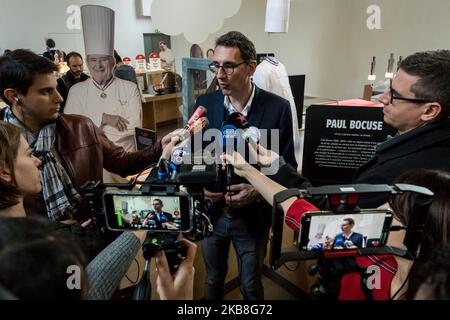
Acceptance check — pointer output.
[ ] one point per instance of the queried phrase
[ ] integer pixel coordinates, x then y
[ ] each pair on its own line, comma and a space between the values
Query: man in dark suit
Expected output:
240, 215
158, 219
348, 239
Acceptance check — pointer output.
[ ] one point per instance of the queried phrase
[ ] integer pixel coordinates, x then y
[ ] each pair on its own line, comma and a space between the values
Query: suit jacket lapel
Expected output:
256, 114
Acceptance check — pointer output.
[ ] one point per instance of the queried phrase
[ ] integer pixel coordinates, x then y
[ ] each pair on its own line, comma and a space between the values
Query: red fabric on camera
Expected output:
296, 211
351, 283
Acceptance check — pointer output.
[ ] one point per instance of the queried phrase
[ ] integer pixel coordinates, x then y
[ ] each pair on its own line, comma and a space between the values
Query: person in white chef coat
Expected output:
113, 104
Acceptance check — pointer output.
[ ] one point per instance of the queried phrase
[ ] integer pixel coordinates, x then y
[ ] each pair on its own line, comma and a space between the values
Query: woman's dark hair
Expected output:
19, 68
9, 146
437, 227
437, 283
36, 260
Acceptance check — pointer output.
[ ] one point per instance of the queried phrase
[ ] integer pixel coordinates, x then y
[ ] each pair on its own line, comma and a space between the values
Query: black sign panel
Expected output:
339, 139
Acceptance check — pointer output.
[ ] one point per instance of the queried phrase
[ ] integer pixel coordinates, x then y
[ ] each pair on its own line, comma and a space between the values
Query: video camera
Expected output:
321, 233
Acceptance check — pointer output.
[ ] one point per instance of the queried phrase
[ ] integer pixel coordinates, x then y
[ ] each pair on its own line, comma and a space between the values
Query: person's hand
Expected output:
263, 156
141, 235
213, 196
181, 285
239, 164
114, 121
240, 195
168, 138
167, 151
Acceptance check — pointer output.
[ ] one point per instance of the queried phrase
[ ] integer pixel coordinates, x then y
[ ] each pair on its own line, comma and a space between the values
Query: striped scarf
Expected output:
59, 194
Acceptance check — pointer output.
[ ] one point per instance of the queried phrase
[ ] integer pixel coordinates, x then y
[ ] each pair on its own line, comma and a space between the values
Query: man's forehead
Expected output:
222, 53
403, 81
75, 60
44, 80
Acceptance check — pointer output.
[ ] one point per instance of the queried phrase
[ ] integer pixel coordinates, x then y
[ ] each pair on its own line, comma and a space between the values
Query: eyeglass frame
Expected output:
404, 99
232, 65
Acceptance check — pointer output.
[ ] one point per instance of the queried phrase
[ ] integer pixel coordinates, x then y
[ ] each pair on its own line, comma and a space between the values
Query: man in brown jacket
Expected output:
72, 149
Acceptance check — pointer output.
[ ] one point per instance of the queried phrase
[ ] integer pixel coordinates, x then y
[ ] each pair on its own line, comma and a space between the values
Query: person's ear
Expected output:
11, 95
252, 67
431, 112
5, 174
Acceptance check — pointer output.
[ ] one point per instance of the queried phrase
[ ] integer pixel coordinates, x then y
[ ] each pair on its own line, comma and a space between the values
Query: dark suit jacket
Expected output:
158, 222
355, 238
268, 111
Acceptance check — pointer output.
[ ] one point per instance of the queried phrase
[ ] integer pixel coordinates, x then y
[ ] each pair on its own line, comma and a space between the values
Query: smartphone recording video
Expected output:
326, 231
159, 213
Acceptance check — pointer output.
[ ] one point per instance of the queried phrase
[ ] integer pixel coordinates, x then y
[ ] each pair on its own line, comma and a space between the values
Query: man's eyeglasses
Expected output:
228, 68
396, 97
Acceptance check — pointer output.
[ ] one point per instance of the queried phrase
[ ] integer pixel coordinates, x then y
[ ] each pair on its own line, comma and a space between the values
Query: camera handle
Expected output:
172, 249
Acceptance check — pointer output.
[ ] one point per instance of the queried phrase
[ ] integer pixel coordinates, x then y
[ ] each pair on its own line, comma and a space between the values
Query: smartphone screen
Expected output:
326, 231
135, 211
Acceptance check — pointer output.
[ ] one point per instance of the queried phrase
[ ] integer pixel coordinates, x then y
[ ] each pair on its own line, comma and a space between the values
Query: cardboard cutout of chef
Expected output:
113, 104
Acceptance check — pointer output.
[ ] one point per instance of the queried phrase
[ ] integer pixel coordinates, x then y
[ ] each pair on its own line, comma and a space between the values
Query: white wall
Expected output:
27, 23
328, 39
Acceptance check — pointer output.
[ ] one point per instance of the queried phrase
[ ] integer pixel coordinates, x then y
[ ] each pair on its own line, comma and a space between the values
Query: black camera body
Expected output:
170, 201
337, 259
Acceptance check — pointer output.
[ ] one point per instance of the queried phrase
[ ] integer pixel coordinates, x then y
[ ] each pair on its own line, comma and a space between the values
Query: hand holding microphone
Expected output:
184, 133
193, 129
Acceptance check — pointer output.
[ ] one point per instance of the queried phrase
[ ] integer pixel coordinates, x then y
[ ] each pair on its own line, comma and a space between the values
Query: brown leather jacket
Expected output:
84, 151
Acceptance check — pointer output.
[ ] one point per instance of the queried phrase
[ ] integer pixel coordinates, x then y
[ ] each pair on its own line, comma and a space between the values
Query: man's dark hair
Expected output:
350, 221
159, 200
117, 56
433, 69
19, 68
71, 55
237, 39
50, 43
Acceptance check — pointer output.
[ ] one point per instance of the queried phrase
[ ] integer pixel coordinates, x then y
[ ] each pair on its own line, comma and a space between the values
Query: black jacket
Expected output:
425, 147
65, 83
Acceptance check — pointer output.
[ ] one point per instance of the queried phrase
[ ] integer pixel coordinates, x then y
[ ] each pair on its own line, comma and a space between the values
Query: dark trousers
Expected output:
250, 252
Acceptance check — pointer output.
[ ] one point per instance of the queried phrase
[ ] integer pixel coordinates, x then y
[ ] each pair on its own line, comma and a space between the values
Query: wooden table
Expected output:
160, 109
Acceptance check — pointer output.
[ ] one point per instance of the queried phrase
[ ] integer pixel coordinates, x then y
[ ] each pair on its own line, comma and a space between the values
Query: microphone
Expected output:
247, 132
238, 120
199, 113
164, 164
176, 160
251, 134
194, 128
230, 138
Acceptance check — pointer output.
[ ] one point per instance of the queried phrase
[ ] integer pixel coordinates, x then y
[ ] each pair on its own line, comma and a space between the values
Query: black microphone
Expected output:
247, 132
238, 120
